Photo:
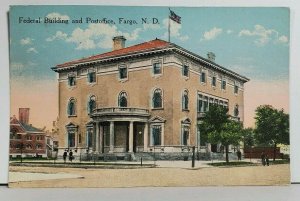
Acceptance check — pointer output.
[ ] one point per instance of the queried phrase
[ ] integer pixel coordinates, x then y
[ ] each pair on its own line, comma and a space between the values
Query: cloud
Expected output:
174, 30
212, 34
26, 41
229, 31
95, 35
263, 35
59, 35
31, 50
283, 39
58, 15
151, 26
16, 66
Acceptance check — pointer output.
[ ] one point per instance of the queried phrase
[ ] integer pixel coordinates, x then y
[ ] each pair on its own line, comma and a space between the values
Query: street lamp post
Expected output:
193, 157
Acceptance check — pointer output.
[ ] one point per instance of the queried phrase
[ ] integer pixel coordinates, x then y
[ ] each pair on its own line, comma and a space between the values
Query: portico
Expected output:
120, 130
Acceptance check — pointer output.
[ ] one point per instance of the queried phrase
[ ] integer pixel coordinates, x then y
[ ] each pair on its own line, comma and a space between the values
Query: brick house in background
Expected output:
26, 139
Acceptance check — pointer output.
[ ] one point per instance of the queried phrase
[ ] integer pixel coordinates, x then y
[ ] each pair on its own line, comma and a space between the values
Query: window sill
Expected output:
92, 83
157, 75
72, 116
123, 80
185, 110
185, 77
72, 87
160, 108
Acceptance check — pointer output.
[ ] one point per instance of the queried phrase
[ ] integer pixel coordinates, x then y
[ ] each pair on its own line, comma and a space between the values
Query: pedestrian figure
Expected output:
239, 155
263, 158
65, 156
267, 160
71, 156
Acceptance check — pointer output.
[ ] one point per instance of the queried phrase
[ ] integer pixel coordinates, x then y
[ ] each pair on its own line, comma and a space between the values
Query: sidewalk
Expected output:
159, 163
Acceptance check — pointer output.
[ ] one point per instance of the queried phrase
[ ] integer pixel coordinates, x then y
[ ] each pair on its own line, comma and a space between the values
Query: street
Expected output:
160, 176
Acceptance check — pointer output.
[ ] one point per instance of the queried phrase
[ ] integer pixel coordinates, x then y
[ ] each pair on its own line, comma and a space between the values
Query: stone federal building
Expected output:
146, 97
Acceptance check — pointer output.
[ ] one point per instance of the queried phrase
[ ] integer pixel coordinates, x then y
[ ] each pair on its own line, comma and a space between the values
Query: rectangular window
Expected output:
214, 81
221, 103
205, 105
156, 134
236, 89
71, 139
211, 102
72, 80
79, 138
185, 70
122, 72
223, 84
226, 104
203, 77
19, 136
156, 68
200, 103
39, 137
185, 135
90, 137
28, 137
92, 77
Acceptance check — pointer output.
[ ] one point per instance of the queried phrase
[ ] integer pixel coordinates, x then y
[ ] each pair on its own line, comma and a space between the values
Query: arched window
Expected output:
236, 110
185, 100
39, 146
122, 100
157, 98
28, 146
91, 104
71, 107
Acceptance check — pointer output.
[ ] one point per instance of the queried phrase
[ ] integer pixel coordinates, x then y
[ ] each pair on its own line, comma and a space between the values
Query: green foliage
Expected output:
248, 135
272, 126
214, 119
235, 163
218, 128
230, 133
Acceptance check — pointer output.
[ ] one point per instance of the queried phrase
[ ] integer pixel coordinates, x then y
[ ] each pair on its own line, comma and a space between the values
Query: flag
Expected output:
175, 17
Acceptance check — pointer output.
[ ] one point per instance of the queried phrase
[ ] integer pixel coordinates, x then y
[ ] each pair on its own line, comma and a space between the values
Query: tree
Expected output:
218, 128
230, 133
248, 135
272, 126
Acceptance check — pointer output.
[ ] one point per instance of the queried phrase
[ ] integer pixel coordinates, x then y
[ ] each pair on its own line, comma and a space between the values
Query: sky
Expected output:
253, 42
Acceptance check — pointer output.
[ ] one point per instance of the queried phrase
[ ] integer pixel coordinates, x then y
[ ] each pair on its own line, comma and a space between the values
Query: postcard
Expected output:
116, 96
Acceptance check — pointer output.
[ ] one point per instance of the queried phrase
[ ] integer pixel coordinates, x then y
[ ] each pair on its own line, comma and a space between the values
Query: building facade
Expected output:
26, 140
141, 98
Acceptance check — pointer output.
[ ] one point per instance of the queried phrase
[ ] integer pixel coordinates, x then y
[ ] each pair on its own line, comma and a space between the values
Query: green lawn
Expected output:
234, 163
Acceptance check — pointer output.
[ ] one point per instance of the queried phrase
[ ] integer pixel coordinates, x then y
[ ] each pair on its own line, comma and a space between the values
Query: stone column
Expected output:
130, 137
94, 136
146, 137
97, 137
101, 139
111, 136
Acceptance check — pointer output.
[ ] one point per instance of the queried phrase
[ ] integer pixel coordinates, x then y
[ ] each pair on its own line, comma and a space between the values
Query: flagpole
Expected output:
169, 30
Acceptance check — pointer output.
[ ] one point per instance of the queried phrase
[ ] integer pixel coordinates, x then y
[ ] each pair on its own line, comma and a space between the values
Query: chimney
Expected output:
211, 56
24, 115
118, 42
